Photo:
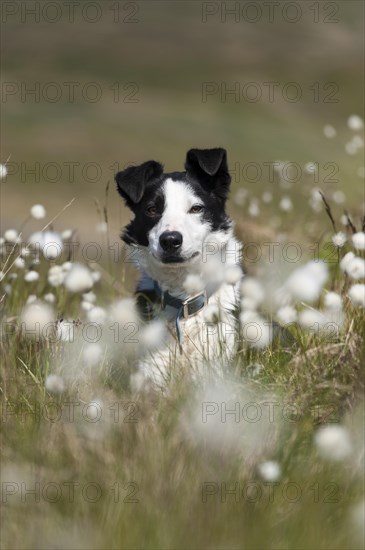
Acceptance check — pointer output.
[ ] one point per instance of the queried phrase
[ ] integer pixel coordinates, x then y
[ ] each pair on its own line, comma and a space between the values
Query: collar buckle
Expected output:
185, 304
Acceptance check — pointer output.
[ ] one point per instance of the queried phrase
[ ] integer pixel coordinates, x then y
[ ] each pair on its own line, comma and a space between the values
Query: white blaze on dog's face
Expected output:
176, 213
182, 220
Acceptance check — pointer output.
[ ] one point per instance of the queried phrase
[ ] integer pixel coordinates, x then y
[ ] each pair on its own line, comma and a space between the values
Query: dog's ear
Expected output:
133, 181
210, 167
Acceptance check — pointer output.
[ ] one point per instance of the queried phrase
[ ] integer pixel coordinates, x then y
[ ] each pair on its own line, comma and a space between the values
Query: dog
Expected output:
183, 244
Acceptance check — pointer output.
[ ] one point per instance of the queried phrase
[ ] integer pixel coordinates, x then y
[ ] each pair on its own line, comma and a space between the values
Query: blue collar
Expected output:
184, 308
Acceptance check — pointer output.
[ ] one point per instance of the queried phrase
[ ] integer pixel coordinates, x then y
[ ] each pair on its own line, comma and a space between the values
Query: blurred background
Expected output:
95, 86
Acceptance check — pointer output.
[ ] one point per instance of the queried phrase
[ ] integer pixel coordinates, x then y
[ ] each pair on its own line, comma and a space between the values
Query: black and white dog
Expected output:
183, 243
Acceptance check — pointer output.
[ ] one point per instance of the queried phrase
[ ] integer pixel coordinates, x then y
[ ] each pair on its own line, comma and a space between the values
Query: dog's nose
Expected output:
171, 241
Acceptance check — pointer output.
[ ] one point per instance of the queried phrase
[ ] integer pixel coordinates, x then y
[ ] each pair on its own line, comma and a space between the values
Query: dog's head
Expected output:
175, 213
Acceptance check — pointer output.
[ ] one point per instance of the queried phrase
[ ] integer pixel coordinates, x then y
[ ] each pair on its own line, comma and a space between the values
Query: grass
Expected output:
148, 472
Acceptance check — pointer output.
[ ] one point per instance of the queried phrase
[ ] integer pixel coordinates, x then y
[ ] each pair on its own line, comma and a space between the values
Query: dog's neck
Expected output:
219, 255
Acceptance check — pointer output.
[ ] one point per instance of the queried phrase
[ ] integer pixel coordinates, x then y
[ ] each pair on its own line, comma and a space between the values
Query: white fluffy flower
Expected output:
97, 315
332, 300
286, 315
339, 196
153, 335
38, 212
254, 209
252, 293
56, 275
78, 279
19, 263
270, 470
124, 311
31, 276
329, 131
34, 319
65, 331
256, 331
339, 239
306, 282
286, 204
356, 268
312, 319
346, 260
96, 276
50, 297
89, 297
211, 313
357, 295
266, 197
66, 266
66, 234
193, 284
3, 171
333, 442
358, 240
92, 354
31, 299
233, 274
86, 306
54, 384
49, 242
11, 236
354, 122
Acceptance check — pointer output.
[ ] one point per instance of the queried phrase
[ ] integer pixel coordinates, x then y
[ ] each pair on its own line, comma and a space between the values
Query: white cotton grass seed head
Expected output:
357, 295
193, 284
31, 299
286, 204
11, 236
312, 320
233, 274
97, 315
358, 240
339, 239
254, 209
124, 311
50, 297
31, 276
356, 268
65, 331
92, 354
19, 263
89, 297
351, 148
35, 318
339, 197
86, 306
255, 330
252, 290
287, 315
346, 260
96, 276
153, 335
306, 282
38, 212
329, 131
333, 301
269, 470
49, 242
212, 313
54, 384
267, 197
56, 275
78, 279
3, 171
66, 234
333, 442
354, 122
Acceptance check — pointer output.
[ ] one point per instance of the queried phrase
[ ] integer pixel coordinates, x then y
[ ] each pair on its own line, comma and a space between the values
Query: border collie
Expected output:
183, 244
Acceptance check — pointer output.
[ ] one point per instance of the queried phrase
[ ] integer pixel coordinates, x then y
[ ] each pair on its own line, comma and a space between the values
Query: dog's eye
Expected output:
196, 209
151, 211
